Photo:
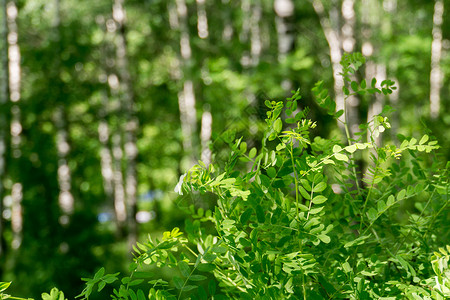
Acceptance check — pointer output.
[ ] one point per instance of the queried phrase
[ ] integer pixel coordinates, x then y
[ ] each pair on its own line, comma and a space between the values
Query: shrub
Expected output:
298, 219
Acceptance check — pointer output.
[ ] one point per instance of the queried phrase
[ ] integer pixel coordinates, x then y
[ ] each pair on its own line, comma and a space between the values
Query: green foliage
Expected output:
295, 220
55, 294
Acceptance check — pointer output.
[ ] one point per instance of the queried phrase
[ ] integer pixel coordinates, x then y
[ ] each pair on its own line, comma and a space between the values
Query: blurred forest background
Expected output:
104, 104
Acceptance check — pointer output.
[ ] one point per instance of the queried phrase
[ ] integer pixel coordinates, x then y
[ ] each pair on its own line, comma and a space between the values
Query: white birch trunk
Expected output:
436, 52
333, 38
65, 198
283, 10
348, 46
131, 122
255, 33
202, 20
112, 151
206, 121
186, 97
106, 157
205, 135
16, 126
4, 98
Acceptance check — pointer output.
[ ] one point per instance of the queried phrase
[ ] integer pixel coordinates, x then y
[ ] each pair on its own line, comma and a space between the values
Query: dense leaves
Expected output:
292, 222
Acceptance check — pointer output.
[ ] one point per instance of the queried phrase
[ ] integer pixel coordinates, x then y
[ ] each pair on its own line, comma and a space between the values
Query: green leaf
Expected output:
4, 286
202, 293
209, 257
184, 268
101, 285
272, 172
243, 147
401, 195
99, 273
390, 201
260, 214
212, 287
424, 139
351, 148
227, 224
336, 148
339, 113
132, 295
363, 84
178, 282
140, 295
319, 199
304, 193
278, 125
252, 153
324, 238
314, 211
354, 85
197, 277
188, 288
381, 206
320, 187
246, 215
372, 214
206, 267
342, 157
346, 267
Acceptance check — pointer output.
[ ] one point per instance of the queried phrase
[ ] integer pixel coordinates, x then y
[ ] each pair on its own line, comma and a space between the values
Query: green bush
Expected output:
296, 218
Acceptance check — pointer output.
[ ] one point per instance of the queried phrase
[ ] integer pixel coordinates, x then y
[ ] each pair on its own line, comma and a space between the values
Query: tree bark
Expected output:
284, 10
202, 20
186, 97
332, 36
131, 121
4, 99
65, 198
15, 126
436, 49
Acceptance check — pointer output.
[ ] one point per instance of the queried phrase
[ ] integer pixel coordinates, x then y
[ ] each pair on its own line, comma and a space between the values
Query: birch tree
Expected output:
436, 52
65, 198
4, 98
206, 120
329, 24
284, 10
186, 97
15, 126
131, 121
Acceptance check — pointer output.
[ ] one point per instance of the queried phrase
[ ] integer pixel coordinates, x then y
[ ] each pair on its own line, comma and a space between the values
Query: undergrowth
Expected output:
297, 218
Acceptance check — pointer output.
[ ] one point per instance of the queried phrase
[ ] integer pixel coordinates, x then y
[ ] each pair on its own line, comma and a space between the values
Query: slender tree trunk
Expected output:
206, 121
370, 21
348, 46
202, 20
65, 198
4, 99
436, 49
131, 121
105, 153
255, 33
227, 32
251, 33
205, 135
284, 9
16, 126
119, 188
110, 136
186, 97
332, 36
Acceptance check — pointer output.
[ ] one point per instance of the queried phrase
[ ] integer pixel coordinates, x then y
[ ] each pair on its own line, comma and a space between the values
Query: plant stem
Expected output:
291, 151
